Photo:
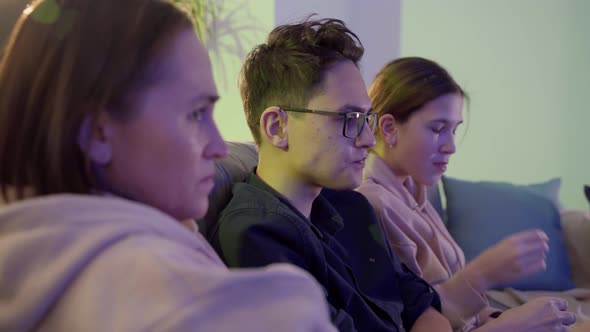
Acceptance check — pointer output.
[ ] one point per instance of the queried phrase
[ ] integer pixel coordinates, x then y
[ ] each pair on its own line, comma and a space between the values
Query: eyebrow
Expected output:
212, 99
444, 121
353, 108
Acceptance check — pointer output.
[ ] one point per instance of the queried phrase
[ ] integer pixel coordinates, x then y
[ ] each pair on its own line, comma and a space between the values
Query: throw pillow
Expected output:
576, 229
481, 214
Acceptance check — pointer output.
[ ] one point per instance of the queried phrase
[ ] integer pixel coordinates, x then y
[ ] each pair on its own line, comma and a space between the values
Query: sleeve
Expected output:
417, 296
157, 285
460, 302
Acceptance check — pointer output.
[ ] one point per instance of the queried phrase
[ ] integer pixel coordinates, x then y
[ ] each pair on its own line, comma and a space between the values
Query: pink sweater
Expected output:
418, 236
94, 263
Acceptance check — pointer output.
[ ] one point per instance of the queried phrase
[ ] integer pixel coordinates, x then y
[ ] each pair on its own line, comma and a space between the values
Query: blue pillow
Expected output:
480, 214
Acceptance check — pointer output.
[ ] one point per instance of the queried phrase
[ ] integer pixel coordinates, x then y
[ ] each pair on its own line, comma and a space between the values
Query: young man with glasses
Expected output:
310, 115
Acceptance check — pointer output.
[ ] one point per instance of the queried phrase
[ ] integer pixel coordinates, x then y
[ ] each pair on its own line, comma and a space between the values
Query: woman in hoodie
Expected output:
107, 150
420, 107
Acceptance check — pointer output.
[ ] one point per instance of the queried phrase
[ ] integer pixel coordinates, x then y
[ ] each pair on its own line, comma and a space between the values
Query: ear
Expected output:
388, 129
93, 138
273, 127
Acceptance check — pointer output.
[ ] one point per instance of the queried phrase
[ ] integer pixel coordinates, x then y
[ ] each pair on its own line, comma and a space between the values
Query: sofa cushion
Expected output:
235, 167
481, 214
576, 228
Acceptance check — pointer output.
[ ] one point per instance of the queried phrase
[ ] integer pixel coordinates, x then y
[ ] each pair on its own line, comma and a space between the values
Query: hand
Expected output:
515, 257
431, 320
488, 314
537, 315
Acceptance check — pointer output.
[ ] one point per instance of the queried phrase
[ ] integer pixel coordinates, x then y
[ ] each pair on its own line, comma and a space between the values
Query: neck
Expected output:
388, 155
300, 193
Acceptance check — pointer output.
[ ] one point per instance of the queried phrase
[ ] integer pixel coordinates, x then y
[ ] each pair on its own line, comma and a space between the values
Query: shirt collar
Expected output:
323, 214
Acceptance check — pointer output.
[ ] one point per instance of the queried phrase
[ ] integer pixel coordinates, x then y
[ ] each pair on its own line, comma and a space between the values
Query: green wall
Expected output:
241, 25
526, 66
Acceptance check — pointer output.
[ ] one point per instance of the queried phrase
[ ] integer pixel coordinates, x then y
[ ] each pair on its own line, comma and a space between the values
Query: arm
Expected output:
418, 298
150, 283
431, 320
513, 258
462, 295
460, 301
540, 314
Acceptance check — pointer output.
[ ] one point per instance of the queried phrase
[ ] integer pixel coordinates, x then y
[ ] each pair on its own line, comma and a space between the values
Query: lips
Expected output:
207, 183
441, 166
208, 178
360, 162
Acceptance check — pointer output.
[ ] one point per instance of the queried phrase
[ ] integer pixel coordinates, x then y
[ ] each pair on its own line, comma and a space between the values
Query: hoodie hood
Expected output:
46, 242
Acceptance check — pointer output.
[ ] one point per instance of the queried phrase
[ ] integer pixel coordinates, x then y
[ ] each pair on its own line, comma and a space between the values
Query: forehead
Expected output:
446, 107
183, 65
342, 84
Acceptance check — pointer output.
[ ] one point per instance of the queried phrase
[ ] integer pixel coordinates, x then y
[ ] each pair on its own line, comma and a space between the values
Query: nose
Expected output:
448, 146
365, 139
216, 147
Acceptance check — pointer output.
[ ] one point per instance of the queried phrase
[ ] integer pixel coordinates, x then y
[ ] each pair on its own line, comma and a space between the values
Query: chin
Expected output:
201, 209
344, 184
196, 211
429, 180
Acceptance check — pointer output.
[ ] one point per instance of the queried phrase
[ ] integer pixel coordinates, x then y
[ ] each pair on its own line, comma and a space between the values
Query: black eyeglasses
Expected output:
354, 122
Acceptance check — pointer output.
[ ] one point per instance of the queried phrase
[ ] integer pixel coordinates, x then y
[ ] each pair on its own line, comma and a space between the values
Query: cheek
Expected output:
175, 152
331, 150
320, 147
416, 152
310, 143
186, 140
195, 145
424, 144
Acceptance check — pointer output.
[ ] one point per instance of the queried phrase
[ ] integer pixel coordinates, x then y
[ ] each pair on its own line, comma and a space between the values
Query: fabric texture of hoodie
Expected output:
93, 263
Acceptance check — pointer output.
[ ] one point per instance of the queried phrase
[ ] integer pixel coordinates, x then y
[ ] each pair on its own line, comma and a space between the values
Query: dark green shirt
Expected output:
341, 245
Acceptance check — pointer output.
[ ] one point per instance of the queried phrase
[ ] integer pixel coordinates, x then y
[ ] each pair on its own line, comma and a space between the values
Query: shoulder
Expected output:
377, 194
180, 281
257, 228
394, 214
254, 214
352, 206
247, 195
384, 200
251, 205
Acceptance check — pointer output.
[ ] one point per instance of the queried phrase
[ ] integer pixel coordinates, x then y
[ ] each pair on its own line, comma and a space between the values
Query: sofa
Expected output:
478, 214
467, 210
